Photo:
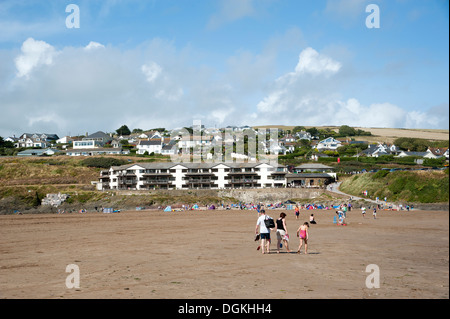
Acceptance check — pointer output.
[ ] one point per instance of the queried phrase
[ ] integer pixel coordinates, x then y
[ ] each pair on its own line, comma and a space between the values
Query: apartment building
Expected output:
147, 176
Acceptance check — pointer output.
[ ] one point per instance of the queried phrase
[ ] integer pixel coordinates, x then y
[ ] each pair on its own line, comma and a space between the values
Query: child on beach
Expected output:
303, 234
363, 211
311, 219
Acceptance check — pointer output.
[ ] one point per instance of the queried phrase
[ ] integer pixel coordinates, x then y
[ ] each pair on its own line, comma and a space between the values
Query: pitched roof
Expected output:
313, 166
150, 142
98, 134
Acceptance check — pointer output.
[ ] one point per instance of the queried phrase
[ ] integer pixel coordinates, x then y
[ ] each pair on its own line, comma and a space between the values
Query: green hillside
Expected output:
408, 186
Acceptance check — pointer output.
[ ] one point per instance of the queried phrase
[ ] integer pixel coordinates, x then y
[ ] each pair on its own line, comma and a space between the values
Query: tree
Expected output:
313, 131
346, 130
6, 144
123, 130
298, 129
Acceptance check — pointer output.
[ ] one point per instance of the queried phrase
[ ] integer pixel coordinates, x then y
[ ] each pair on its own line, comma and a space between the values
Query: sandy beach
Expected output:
212, 254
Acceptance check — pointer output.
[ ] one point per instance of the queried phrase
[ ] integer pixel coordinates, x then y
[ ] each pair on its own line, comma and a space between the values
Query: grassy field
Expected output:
386, 135
407, 186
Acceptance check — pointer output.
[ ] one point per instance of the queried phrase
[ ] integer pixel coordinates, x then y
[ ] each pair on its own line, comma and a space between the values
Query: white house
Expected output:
35, 140
149, 147
376, 150
435, 152
188, 141
328, 144
302, 135
37, 152
405, 154
96, 151
64, 140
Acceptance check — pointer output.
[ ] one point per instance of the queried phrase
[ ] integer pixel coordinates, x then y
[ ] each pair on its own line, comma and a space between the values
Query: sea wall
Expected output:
272, 195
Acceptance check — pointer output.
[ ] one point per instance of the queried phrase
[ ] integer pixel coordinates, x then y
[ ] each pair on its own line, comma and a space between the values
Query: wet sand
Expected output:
212, 254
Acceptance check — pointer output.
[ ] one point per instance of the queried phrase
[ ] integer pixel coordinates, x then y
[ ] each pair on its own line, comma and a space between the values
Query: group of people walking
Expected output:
263, 229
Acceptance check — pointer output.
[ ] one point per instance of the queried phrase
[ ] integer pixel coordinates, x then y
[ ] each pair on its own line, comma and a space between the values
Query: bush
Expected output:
102, 162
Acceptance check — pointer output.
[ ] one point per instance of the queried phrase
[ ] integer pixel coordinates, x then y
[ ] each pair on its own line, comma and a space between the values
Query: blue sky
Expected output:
166, 63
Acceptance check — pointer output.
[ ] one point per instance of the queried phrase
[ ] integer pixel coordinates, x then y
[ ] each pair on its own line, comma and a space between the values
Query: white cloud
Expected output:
93, 45
310, 61
34, 54
151, 71
157, 85
274, 102
309, 96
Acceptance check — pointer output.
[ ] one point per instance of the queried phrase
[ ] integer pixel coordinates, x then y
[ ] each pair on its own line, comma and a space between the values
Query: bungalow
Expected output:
315, 168
99, 136
96, 151
37, 152
436, 152
417, 154
93, 141
376, 150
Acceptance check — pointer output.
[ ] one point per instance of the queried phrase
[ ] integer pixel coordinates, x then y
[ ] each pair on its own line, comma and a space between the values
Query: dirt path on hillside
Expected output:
212, 254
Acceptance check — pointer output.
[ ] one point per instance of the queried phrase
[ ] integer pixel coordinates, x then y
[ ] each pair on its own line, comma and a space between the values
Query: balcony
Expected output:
121, 174
156, 181
199, 181
243, 180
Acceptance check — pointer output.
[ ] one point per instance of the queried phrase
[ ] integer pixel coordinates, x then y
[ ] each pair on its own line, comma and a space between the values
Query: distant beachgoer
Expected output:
297, 211
282, 232
374, 213
340, 217
311, 219
363, 211
264, 232
303, 234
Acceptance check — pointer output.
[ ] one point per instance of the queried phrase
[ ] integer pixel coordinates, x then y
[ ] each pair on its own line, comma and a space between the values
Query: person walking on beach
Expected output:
297, 211
363, 211
263, 231
374, 213
303, 234
282, 233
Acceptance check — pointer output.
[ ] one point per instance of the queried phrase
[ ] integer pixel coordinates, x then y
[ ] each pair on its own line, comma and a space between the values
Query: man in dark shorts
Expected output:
263, 231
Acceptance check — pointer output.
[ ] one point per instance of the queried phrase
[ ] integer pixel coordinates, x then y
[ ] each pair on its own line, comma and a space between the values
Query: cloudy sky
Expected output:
166, 63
